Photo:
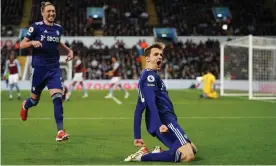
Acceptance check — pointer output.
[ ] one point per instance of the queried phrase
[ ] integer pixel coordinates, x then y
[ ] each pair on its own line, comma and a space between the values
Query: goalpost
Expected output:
248, 67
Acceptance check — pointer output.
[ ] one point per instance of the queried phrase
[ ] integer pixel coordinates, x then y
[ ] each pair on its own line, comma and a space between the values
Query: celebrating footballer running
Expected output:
44, 39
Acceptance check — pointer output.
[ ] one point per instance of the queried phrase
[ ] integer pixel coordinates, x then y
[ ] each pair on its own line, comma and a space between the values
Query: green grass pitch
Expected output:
225, 131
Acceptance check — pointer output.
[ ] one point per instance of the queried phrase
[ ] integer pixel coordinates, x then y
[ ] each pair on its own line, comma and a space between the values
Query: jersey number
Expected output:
141, 95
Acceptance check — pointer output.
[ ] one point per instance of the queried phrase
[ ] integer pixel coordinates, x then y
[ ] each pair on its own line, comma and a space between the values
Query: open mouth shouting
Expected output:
159, 62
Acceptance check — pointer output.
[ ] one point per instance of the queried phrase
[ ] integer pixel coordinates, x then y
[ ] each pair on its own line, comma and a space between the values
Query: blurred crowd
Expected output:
11, 14
182, 60
122, 17
131, 17
188, 60
192, 17
97, 59
236, 64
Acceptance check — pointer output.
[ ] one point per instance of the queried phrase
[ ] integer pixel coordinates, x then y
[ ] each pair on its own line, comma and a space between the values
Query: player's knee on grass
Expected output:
187, 154
214, 95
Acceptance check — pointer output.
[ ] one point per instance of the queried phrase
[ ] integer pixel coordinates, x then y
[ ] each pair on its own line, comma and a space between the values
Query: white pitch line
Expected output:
116, 100
128, 118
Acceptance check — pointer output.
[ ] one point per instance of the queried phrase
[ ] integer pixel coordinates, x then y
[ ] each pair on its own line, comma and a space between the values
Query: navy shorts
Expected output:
174, 138
42, 77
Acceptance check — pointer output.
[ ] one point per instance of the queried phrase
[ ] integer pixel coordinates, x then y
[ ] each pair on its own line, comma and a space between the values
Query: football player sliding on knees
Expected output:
161, 120
44, 39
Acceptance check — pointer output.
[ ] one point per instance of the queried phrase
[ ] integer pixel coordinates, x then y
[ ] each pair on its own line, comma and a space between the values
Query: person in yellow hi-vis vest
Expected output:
208, 85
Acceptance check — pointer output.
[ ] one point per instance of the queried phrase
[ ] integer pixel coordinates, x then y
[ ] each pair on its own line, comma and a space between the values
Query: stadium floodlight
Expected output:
219, 15
249, 64
224, 26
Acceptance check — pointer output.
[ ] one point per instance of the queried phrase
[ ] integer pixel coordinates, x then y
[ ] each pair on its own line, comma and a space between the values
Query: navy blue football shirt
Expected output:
47, 55
153, 96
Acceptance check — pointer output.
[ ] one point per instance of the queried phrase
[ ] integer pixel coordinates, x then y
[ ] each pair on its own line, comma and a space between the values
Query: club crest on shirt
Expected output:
57, 32
31, 29
150, 78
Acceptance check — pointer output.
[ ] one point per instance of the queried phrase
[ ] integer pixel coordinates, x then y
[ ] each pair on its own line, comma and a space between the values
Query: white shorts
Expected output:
13, 78
115, 80
78, 77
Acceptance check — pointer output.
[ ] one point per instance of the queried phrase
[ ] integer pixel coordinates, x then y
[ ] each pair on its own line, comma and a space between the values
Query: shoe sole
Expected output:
62, 139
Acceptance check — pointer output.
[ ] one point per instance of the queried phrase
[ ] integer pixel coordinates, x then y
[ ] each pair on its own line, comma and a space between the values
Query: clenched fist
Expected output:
163, 129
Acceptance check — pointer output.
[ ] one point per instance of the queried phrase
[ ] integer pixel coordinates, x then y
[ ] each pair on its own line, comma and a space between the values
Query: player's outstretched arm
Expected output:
70, 52
140, 107
148, 90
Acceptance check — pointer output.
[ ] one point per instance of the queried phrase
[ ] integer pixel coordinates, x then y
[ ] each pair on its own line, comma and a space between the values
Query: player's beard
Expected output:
51, 18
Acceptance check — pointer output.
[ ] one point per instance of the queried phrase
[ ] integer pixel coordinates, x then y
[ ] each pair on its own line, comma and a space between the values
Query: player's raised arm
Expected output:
25, 43
140, 107
28, 40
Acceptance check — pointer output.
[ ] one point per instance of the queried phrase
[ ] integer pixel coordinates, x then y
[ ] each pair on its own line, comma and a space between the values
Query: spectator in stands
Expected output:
186, 60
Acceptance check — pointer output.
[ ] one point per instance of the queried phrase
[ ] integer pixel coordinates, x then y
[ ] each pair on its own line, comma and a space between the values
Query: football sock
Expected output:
11, 87
30, 103
17, 88
58, 110
165, 156
84, 89
111, 89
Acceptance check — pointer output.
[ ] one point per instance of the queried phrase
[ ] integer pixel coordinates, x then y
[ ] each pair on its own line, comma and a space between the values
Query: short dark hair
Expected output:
160, 46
